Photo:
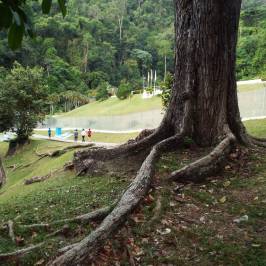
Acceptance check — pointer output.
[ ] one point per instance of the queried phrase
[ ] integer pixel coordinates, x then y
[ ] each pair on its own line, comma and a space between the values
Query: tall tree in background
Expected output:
203, 107
23, 101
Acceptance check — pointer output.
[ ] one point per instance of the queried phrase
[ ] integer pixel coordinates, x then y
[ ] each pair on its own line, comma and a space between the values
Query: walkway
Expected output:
99, 144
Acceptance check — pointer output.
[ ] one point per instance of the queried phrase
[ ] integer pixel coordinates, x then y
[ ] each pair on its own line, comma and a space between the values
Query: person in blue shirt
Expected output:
49, 133
76, 135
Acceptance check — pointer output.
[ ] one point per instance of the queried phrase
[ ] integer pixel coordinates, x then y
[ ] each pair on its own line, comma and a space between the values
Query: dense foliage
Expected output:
23, 94
105, 42
124, 90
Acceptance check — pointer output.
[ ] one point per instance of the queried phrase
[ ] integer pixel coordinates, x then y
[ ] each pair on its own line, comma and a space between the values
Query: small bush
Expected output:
102, 92
124, 90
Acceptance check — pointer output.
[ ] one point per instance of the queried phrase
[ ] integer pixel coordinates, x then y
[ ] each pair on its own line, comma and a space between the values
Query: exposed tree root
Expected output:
258, 142
142, 135
125, 158
38, 179
78, 253
15, 167
18, 254
11, 233
60, 152
84, 218
207, 165
31, 163
62, 231
258, 139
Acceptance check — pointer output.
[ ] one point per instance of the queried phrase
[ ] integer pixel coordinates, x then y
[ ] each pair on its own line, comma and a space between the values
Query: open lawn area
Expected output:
114, 106
251, 87
197, 224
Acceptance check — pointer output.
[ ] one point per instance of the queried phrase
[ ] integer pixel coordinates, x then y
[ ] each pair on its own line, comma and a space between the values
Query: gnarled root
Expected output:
142, 135
38, 179
60, 152
261, 142
78, 253
84, 218
18, 254
122, 160
207, 165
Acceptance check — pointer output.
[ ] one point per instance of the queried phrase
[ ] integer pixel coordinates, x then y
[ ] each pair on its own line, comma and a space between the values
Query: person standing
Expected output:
89, 133
83, 134
49, 133
76, 135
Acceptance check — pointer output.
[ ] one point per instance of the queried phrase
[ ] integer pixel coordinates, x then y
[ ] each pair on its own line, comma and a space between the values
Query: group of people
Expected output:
84, 133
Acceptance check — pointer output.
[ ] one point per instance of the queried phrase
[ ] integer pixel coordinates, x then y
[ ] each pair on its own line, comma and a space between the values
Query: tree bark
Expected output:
206, 37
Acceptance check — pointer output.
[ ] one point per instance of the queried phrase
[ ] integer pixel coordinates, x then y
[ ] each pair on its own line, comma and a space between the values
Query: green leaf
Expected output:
62, 5
6, 16
15, 36
46, 6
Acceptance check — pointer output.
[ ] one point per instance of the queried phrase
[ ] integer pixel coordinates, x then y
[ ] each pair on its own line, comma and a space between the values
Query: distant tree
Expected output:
102, 91
124, 90
22, 101
144, 60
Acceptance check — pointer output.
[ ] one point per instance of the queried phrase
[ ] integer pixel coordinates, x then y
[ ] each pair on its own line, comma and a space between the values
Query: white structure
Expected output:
148, 95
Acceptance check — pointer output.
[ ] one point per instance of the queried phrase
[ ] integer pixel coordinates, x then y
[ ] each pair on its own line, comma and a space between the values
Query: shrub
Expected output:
124, 90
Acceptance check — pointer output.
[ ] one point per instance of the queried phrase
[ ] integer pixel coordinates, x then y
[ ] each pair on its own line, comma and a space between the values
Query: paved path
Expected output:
100, 144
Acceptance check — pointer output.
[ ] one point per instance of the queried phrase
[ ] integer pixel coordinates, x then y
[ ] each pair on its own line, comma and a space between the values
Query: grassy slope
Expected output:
251, 87
215, 240
62, 196
114, 106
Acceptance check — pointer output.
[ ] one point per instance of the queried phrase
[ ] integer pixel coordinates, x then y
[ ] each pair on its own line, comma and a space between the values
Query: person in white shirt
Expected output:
83, 135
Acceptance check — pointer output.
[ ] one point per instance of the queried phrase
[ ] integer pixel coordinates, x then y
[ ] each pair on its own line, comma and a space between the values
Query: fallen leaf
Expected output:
166, 231
223, 199
255, 245
227, 184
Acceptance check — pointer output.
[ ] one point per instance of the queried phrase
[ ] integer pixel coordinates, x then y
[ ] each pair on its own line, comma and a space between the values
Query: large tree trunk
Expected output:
203, 106
206, 37
2, 174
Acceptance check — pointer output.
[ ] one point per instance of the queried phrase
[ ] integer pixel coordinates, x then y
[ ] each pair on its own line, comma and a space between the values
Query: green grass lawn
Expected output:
256, 127
114, 106
213, 239
251, 87
99, 137
63, 195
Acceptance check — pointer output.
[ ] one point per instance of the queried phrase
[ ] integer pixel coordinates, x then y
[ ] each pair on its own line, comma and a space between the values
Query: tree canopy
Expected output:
102, 42
23, 95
